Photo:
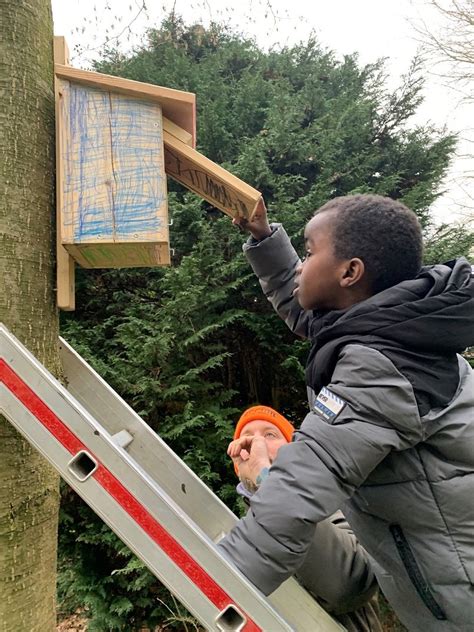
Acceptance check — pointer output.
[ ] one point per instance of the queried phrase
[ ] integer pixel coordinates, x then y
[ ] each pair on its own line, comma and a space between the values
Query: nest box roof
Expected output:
177, 106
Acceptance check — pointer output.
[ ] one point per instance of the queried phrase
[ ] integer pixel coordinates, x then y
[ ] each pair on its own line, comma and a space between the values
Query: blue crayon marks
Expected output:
113, 179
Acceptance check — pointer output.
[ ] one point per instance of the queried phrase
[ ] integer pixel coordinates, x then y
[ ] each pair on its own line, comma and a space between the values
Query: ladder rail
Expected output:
147, 447
110, 512
83, 434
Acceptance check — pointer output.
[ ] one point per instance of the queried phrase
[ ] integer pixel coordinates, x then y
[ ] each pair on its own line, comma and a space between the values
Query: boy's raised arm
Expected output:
274, 261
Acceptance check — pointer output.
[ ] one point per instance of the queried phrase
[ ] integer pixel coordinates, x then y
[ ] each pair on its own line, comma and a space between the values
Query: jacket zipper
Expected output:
419, 582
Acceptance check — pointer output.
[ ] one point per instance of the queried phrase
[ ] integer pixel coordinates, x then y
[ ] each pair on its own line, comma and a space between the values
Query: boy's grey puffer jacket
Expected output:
397, 455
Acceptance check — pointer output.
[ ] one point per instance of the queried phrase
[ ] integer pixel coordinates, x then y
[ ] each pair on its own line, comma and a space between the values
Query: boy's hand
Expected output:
258, 226
250, 454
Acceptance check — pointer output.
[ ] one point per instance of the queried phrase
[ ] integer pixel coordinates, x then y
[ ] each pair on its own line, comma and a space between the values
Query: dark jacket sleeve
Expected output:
336, 569
313, 476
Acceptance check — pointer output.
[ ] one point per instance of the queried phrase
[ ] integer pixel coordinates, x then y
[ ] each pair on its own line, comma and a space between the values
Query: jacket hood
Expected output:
433, 312
420, 325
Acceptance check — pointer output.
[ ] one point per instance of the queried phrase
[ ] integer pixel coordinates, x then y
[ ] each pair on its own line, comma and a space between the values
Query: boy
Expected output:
335, 570
390, 433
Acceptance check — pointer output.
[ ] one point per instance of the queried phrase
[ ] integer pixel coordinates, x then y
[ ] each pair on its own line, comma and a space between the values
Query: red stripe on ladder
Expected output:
124, 498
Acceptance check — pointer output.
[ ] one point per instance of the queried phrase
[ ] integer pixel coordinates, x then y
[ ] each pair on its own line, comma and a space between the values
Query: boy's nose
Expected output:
299, 267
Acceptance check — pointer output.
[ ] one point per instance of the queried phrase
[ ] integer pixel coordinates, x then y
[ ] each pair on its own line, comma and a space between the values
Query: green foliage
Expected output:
190, 346
100, 576
445, 242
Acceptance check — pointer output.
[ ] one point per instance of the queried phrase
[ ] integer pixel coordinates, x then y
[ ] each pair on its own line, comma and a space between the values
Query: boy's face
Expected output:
318, 276
272, 435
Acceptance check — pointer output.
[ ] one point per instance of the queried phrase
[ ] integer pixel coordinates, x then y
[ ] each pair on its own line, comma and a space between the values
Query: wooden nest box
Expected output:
112, 180
116, 141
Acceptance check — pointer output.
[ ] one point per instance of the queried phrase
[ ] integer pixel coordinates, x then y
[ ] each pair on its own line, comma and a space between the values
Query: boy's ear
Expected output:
352, 273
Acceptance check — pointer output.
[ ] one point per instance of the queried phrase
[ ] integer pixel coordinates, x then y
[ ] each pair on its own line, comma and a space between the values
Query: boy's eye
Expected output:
271, 435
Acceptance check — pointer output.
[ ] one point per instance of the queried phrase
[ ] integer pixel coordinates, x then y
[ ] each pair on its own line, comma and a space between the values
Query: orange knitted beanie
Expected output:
264, 413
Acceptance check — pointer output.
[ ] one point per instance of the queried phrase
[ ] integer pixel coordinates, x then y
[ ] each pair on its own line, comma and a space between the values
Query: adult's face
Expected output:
274, 438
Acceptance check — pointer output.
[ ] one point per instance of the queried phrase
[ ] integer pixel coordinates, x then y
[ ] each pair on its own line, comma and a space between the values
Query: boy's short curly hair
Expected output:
384, 233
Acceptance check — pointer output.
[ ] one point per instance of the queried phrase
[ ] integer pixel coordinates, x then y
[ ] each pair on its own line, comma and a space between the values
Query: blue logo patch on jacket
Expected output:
328, 405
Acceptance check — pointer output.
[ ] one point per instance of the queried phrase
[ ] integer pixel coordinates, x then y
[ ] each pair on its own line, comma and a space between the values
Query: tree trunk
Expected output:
29, 495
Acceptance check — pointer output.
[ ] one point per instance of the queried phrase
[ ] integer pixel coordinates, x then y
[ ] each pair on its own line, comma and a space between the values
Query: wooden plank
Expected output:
114, 188
61, 50
178, 132
178, 106
65, 280
121, 255
210, 181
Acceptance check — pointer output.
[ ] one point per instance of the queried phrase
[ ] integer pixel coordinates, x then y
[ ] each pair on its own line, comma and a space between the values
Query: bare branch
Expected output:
451, 45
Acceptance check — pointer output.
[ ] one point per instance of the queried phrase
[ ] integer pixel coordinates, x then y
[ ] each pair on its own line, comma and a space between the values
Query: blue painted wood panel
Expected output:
113, 179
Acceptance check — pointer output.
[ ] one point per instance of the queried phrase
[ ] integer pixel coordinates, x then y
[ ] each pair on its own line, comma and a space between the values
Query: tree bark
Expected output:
29, 495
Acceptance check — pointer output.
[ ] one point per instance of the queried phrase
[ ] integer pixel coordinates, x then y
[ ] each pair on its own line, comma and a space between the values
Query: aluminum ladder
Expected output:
129, 476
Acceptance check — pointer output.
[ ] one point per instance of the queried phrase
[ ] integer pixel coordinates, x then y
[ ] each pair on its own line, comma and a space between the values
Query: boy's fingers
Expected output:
261, 209
241, 223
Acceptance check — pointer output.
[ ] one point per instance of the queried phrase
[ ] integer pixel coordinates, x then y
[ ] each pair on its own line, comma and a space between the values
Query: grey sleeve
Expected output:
274, 261
327, 461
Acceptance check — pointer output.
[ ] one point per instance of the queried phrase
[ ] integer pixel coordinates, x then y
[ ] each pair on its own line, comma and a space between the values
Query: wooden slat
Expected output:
208, 180
121, 255
178, 132
61, 50
178, 106
65, 281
